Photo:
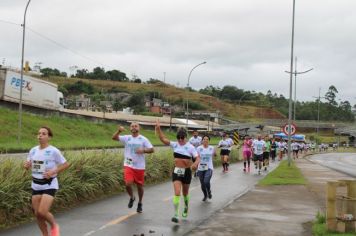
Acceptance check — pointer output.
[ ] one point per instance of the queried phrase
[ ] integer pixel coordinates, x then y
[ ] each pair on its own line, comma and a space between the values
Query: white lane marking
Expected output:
89, 233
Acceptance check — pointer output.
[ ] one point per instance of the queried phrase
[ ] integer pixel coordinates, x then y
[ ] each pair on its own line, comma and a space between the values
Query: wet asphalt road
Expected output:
343, 162
111, 216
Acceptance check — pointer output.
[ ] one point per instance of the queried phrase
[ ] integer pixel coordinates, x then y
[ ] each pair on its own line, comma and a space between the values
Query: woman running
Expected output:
247, 153
184, 152
205, 169
225, 144
46, 161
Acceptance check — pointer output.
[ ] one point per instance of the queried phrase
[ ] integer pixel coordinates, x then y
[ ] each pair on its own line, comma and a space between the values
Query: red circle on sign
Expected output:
293, 129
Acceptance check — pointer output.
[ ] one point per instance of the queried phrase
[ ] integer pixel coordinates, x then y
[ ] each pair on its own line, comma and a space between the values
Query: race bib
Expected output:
128, 162
179, 171
203, 167
38, 167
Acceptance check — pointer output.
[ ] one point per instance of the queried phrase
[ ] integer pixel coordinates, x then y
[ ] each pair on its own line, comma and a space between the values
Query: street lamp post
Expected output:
295, 73
190, 73
290, 89
21, 69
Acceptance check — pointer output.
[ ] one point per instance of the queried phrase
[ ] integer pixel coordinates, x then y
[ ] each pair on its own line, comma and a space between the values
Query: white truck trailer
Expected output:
35, 92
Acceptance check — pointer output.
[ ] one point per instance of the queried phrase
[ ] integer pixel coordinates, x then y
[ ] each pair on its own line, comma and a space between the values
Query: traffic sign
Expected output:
293, 129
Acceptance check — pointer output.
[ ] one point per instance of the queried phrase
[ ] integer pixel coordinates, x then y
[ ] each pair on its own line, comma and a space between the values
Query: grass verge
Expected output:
284, 174
319, 227
69, 133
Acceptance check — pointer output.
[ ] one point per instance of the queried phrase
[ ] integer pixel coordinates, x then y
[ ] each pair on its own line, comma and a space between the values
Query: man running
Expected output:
266, 152
225, 144
258, 146
136, 146
273, 152
196, 141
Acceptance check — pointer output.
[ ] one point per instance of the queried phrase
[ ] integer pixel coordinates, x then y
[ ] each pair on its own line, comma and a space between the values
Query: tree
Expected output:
117, 75
331, 95
345, 105
47, 72
137, 102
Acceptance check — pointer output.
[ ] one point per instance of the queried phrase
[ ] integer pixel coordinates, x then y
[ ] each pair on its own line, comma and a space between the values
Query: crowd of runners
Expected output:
192, 158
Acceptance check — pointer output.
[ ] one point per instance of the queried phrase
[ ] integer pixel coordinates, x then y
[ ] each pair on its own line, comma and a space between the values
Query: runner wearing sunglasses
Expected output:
184, 152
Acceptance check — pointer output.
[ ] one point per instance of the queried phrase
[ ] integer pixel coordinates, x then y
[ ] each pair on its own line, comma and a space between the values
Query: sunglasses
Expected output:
180, 137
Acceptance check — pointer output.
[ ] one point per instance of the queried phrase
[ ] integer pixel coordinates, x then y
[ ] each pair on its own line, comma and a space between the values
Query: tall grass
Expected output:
91, 175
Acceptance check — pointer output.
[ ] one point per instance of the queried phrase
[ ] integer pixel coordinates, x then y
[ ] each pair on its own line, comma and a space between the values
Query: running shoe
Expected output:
209, 195
55, 230
131, 202
139, 208
175, 219
185, 212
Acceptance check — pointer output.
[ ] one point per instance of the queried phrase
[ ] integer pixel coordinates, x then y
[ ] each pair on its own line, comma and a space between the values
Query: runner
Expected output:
266, 152
136, 146
280, 149
182, 173
46, 162
295, 149
205, 168
196, 141
273, 149
246, 152
225, 144
258, 146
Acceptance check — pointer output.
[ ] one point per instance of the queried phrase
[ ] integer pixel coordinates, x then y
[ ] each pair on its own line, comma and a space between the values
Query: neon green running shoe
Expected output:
185, 212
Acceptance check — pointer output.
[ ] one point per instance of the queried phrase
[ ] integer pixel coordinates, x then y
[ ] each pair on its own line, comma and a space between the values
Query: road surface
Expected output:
343, 162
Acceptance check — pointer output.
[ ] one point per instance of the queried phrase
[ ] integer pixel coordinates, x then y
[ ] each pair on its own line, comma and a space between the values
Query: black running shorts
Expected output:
185, 179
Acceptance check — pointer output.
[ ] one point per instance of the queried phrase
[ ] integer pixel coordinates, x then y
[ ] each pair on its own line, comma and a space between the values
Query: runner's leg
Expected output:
36, 200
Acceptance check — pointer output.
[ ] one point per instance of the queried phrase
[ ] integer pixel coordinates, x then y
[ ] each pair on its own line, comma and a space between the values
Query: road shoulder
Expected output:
274, 210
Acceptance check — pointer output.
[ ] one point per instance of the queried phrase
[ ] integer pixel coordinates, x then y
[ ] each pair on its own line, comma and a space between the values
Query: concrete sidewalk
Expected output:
274, 210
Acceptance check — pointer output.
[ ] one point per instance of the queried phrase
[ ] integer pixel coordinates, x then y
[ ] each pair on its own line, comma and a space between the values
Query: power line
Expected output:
58, 44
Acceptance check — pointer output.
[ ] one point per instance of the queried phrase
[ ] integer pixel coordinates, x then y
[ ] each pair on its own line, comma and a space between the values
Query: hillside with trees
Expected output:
231, 102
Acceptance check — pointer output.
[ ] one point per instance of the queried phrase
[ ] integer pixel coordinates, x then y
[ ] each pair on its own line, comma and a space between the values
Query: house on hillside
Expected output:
158, 106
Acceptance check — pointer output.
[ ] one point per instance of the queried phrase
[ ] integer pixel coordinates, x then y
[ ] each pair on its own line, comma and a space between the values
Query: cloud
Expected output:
245, 43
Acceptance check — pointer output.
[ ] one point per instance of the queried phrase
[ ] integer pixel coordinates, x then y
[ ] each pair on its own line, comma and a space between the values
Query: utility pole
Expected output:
295, 73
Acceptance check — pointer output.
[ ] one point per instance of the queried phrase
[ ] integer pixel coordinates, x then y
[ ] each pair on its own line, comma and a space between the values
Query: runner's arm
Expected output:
115, 136
161, 136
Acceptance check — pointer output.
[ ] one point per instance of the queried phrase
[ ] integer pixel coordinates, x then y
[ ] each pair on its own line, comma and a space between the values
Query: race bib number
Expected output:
38, 167
203, 167
128, 162
179, 171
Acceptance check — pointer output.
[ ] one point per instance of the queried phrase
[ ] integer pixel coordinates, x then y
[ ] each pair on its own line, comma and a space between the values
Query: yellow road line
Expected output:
118, 220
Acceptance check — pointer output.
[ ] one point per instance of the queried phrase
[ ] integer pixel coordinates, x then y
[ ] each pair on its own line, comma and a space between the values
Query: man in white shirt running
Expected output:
258, 146
136, 146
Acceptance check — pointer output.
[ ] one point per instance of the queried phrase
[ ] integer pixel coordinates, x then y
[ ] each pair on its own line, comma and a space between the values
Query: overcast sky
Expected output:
246, 44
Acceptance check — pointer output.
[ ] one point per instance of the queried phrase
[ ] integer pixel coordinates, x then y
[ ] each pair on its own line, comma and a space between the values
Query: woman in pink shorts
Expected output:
246, 152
